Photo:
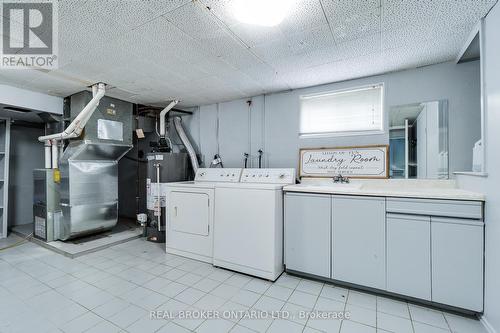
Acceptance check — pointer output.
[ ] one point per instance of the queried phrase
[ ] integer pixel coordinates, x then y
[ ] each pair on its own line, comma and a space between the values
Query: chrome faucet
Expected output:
341, 179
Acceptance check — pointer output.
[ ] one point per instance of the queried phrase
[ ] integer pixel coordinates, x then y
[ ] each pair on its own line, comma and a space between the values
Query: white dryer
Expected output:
248, 228
190, 212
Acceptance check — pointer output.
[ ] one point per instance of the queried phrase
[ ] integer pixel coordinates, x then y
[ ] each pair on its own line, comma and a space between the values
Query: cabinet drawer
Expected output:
433, 207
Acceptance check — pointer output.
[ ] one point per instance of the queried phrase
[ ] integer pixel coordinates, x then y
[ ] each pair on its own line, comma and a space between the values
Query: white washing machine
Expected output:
190, 212
248, 228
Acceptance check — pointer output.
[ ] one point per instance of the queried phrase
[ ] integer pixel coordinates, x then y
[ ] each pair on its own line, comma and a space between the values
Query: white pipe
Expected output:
163, 115
48, 155
76, 127
407, 150
186, 142
158, 189
55, 155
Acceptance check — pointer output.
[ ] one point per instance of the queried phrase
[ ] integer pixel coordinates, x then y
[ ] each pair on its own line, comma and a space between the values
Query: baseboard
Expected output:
487, 325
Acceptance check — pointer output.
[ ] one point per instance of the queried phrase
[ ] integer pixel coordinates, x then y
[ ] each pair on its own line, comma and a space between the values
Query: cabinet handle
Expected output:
175, 211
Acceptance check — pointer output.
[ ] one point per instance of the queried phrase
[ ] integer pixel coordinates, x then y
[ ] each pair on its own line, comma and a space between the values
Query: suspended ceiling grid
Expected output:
152, 51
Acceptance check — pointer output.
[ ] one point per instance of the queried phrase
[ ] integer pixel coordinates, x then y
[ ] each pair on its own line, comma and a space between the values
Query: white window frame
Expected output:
347, 133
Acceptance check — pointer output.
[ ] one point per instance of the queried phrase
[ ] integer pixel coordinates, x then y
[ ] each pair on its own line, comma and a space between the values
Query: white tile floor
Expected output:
114, 290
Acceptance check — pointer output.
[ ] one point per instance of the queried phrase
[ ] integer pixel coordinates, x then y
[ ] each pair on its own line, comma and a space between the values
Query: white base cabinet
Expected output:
425, 249
457, 262
409, 255
307, 233
358, 240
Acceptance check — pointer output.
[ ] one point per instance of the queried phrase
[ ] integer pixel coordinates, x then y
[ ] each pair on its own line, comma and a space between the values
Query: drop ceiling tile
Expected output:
84, 29
314, 57
429, 52
22, 75
53, 85
366, 45
222, 9
400, 13
202, 55
91, 64
252, 35
164, 6
347, 50
336, 71
214, 66
303, 15
304, 61
91, 20
122, 94
120, 75
242, 82
356, 25
194, 20
194, 100
273, 50
222, 45
312, 39
267, 77
129, 13
216, 86
83, 70
409, 36
143, 48
164, 39
341, 10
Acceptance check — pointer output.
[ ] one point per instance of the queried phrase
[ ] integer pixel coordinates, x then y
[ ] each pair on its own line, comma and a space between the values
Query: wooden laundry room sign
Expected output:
354, 162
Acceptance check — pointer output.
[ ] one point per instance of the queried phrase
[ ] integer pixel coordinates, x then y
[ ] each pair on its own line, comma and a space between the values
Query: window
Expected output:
347, 112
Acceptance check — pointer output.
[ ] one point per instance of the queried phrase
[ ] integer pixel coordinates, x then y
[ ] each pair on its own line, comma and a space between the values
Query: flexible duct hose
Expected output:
186, 142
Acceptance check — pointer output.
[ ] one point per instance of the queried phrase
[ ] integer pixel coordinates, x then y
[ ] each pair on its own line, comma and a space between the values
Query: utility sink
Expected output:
340, 186
351, 186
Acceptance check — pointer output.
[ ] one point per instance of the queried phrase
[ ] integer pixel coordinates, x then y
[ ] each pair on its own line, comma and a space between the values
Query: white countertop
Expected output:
406, 188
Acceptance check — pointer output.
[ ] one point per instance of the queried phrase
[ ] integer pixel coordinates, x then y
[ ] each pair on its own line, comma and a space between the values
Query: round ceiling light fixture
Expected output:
267, 13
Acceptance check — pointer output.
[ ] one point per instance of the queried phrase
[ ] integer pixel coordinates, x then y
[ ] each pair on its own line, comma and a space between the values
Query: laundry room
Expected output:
249, 166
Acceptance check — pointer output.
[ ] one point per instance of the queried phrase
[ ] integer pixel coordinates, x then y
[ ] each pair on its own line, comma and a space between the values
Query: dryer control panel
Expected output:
231, 175
270, 176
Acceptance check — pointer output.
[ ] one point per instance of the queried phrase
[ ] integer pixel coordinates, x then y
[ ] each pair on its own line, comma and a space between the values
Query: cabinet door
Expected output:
358, 240
409, 255
189, 212
307, 233
457, 262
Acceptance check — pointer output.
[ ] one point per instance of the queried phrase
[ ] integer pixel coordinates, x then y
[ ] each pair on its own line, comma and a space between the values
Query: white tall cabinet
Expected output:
4, 175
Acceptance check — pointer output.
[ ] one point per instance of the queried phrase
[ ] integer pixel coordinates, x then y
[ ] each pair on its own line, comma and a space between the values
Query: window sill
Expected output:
339, 134
471, 173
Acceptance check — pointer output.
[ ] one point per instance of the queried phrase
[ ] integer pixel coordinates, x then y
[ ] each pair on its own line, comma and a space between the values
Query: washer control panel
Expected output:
271, 176
230, 175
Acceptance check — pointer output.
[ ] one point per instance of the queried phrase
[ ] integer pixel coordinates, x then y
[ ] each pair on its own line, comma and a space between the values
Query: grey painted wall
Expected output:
26, 154
489, 185
272, 121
